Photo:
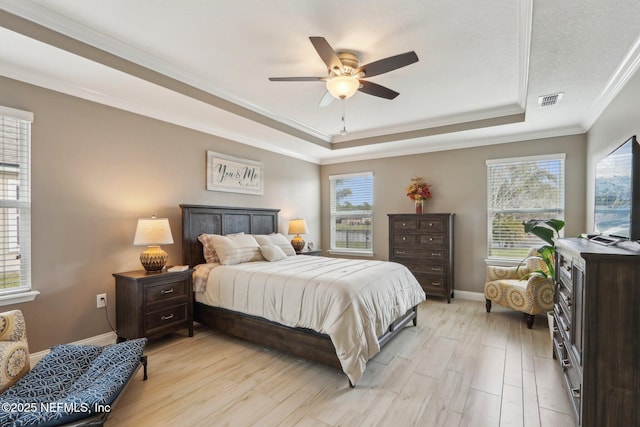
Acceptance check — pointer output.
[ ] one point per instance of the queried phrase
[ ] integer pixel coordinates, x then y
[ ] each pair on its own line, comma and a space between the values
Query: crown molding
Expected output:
618, 80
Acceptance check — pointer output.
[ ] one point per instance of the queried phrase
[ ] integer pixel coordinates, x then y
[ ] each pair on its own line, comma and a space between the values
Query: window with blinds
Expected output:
351, 204
521, 189
15, 201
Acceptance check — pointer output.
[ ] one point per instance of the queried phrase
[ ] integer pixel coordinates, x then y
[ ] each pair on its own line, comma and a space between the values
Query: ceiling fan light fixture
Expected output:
343, 87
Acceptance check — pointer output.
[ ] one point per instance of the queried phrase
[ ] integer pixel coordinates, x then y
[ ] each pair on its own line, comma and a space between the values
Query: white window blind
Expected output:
15, 201
521, 189
351, 204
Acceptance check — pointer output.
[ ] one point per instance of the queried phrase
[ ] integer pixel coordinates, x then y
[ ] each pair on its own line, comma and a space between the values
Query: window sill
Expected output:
503, 262
351, 253
18, 298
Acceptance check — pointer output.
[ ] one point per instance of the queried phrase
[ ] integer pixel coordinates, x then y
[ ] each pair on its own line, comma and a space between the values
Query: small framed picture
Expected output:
233, 174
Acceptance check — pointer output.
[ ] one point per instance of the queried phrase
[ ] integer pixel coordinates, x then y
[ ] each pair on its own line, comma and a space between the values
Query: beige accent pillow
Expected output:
276, 239
234, 248
272, 253
209, 252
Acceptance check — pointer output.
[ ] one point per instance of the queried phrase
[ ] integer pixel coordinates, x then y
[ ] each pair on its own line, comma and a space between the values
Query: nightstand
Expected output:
310, 253
153, 304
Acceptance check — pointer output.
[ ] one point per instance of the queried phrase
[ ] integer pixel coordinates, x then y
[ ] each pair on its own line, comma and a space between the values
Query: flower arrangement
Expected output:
418, 189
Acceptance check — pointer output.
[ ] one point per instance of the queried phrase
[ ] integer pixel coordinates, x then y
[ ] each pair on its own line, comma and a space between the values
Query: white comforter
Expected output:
352, 301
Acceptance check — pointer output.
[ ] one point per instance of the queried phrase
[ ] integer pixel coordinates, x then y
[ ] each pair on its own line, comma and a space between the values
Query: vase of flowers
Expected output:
418, 191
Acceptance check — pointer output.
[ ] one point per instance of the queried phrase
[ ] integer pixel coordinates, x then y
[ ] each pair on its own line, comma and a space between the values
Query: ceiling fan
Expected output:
346, 75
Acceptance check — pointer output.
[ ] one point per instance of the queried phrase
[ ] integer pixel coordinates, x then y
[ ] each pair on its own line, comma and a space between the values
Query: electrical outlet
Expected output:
101, 300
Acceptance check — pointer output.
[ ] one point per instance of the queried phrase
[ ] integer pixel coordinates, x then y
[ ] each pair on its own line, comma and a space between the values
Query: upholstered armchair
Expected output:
14, 350
531, 296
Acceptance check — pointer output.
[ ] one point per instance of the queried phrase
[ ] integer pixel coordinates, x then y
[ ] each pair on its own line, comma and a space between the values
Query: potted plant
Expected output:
547, 230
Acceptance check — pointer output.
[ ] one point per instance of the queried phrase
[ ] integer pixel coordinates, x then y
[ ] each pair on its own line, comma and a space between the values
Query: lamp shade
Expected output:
153, 231
298, 226
343, 87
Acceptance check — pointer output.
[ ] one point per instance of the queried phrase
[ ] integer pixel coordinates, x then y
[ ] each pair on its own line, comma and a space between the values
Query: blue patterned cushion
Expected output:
70, 383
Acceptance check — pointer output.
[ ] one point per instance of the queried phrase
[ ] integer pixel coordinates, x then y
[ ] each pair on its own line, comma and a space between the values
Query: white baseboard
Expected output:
468, 295
104, 339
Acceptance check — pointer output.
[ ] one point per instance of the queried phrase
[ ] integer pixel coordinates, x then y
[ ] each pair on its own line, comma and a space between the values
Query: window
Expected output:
15, 201
518, 190
351, 204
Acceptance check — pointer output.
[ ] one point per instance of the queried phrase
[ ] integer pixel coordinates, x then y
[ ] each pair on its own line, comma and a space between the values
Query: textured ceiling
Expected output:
205, 65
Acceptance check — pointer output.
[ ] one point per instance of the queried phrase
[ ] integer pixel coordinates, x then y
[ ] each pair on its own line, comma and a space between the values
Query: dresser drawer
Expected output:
167, 317
432, 269
430, 240
420, 254
398, 225
167, 292
430, 224
433, 284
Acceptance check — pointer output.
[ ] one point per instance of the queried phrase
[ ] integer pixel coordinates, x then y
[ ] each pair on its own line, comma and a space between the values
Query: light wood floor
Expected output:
459, 367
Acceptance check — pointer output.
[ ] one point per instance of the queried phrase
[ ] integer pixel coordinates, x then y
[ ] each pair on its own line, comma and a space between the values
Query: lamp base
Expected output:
297, 243
153, 259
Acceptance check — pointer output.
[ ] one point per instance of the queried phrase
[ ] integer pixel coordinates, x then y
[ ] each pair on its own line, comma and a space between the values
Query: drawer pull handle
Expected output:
404, 238
436, 269
166, 291
169, 317
400, 252
560, 345
432, 254
430, 224
575, 393
555, 329
436, 283
566, 363
404, 224
431, 239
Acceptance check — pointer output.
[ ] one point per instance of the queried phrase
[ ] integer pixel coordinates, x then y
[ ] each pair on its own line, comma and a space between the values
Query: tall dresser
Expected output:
596, 336
424, 243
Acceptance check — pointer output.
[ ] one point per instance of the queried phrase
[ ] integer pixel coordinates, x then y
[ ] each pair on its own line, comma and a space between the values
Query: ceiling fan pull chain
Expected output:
343, 131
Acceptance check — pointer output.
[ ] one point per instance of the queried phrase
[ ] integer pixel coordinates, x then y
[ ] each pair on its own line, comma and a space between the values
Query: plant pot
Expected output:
550, 320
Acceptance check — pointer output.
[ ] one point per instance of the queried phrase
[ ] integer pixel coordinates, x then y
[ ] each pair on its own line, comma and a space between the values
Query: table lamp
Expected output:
298, 226
153, 232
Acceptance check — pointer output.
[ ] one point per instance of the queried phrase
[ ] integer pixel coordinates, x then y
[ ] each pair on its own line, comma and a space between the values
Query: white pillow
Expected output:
276, 239
234, 248
272, 253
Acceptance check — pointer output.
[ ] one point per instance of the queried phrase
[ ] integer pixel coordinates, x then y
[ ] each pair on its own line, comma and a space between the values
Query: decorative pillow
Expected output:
210, 254
234, 248
535, 262
272, 253
276, 239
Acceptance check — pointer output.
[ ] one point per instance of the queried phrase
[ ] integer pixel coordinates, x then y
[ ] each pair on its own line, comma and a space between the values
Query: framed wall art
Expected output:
233, 174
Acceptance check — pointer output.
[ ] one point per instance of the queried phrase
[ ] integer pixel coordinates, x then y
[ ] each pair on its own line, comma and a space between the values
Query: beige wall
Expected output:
96, 170
619, 121
458, 179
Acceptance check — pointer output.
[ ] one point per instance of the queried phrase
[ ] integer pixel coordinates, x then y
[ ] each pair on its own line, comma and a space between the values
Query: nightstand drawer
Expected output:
166, 317
154, 294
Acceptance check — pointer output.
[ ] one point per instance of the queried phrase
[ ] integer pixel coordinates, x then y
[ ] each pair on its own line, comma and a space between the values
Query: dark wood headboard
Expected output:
198, 219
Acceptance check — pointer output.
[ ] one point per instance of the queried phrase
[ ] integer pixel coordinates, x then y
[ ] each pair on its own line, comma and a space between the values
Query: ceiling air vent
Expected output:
549, 100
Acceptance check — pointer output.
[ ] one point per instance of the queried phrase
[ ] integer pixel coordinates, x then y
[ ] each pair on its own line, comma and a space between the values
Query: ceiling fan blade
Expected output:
388, 64
296, 79
327, 53
377, 90
326, 100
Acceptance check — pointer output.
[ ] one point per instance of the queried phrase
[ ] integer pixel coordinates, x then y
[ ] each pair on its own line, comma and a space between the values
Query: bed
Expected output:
300, 341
